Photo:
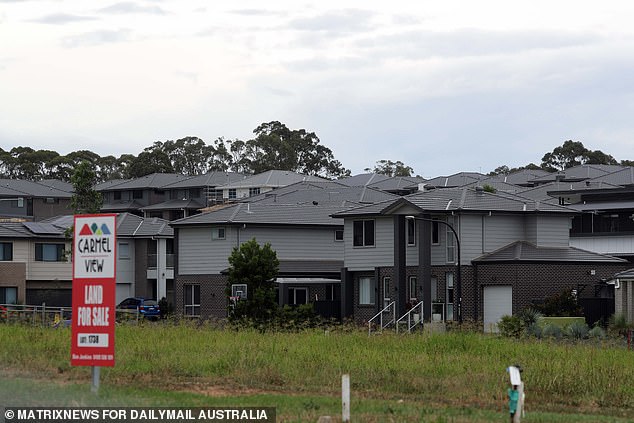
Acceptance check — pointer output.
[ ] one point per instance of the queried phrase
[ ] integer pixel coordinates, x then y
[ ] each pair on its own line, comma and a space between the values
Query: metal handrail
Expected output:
379, 315
410, 326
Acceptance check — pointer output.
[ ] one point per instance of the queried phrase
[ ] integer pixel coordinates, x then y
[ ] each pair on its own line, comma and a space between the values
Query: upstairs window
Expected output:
49, 252
363, 233
137, 194
232, 194
6, 251
254, 191
117, 195
411, 232
338, 234
218, 233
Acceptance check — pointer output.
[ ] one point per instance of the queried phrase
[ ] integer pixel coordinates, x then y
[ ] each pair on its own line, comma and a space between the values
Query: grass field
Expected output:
452, 377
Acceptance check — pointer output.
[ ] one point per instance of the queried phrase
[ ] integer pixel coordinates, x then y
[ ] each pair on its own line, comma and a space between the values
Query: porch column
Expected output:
399, 264
424, 263
347, 293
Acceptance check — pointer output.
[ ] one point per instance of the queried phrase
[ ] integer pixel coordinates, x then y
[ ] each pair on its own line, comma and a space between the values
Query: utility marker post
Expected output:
96, 370
345, 398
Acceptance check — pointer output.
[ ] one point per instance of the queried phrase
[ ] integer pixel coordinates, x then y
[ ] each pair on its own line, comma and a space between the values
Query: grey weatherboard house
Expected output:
390, 258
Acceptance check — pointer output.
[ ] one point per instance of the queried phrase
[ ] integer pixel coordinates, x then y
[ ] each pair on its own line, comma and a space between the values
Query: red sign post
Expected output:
94, 289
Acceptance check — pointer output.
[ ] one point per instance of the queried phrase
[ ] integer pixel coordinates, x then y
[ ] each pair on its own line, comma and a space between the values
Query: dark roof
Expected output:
363, 179
579, 173
57, 184
621, 177
498, 185
398, 184
551, 189
456, 180
20, 187
107, 185
175, 204
323, 193
460, 199
528, 252
271, 179
121, 206
155, 180
130, 225
210, 179
521, 177
266, 213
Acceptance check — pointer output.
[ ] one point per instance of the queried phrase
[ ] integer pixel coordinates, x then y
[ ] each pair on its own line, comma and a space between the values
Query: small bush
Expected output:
618, 324
510, 326
529, 316
534, 329
552, 331
597, 332
577, 330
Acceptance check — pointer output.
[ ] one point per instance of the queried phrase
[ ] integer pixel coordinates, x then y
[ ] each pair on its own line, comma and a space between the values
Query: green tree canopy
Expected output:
574, 153
85, 199
257, 267
390, 168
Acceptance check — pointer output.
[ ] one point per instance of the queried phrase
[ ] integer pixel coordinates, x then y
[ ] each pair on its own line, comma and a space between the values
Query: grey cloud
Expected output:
130, 7
335, 22
471, 42
62, 19
96, 38
257, 12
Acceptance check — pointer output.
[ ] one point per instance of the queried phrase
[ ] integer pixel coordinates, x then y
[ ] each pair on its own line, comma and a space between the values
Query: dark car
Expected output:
145, 307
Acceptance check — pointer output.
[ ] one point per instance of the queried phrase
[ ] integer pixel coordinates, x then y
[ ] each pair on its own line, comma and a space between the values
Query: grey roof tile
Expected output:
155, 180
271, 179
528, 252
363, 179
456, 180
263, 213
175, 204
20, 187
210, 179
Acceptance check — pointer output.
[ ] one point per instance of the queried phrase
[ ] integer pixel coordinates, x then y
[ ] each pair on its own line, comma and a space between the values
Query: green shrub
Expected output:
618, 324
577, 330
552, 331
534, 329
510, 326
597, 332
563, 304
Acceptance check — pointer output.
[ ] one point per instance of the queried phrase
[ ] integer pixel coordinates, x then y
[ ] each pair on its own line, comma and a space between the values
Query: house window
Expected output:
6, 251
232, 194
218, 233
49, 252
192, 300
194, 193
434, 288
412, 288
449, 280
137, 194
254, 191
338, 234
435, 237
386, 291
451, 244
297, 296
117, 195
367, 291
363, 233
330, 293
239, 290
124, 250
411, 232
51, 200
8, 295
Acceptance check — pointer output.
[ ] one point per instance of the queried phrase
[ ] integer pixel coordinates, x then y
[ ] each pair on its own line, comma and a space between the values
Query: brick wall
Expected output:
536, 281
213, 300
14, 275
530, 281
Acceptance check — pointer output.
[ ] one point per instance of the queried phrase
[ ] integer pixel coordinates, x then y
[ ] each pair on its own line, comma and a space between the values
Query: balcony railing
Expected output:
152, 260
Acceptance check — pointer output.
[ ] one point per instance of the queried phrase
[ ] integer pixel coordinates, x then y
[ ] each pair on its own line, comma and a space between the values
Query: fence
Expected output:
43, 315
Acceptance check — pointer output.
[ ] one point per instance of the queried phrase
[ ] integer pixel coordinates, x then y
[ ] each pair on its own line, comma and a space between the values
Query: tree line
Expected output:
274, 146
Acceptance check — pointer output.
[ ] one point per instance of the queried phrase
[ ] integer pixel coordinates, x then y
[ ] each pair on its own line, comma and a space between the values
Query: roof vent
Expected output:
479, 189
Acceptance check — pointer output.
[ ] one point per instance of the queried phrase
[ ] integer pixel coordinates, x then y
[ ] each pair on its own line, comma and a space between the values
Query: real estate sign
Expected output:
94, 287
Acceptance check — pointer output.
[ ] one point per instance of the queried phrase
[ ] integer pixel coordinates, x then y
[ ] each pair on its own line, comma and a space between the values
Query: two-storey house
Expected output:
509, 253
295, 220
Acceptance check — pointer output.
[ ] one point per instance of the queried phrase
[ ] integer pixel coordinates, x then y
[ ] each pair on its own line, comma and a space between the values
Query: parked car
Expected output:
146, 307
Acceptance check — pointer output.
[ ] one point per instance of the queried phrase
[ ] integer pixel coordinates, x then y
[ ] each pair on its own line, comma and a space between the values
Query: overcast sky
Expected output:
443, 86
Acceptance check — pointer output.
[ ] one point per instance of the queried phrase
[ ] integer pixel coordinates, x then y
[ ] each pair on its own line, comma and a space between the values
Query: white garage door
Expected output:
498, 301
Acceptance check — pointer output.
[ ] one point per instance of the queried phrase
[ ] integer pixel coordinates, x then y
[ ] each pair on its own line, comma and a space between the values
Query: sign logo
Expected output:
94, 229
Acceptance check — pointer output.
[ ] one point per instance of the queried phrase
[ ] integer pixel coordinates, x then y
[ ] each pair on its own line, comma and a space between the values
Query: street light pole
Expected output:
458, 265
